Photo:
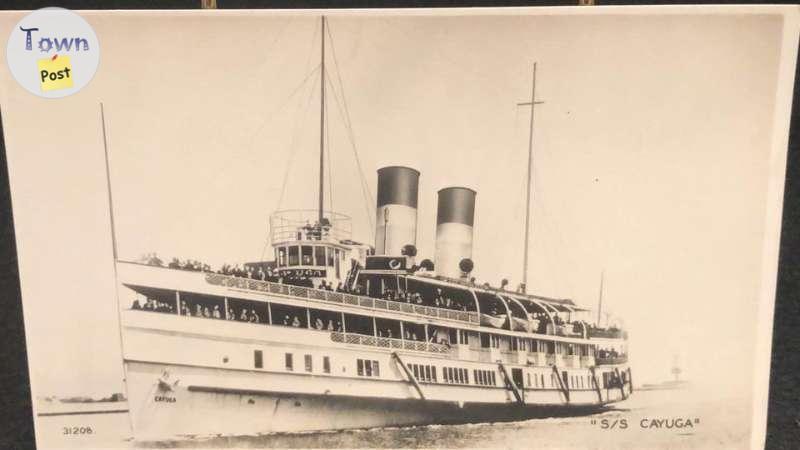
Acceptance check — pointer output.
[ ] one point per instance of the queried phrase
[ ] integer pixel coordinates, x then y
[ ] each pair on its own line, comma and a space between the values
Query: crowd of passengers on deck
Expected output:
439, 300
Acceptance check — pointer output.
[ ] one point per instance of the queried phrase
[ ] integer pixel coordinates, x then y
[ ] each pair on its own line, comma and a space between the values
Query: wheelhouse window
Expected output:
319, 255
258, 359
281, 257
307, 255
326, 364
309, 363
289, 361
294, 256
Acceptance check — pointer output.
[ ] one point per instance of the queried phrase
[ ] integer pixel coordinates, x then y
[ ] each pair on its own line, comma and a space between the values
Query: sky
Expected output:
651, 165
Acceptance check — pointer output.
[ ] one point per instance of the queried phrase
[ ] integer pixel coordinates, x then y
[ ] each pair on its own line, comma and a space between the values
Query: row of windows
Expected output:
424, 372
367, 368
289, 362
308, 255
455, 375
484, 377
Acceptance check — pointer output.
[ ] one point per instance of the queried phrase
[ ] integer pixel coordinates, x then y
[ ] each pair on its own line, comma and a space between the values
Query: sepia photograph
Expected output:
549, 228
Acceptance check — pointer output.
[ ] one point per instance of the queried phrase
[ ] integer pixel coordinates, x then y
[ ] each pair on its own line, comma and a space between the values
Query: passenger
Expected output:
439, 298
243, 316
136, 305
330, 325
286, 320
339, 326
254, 317
216, 314
198, 311
318, 324
231, 315
296, 322
389, 333
206, 312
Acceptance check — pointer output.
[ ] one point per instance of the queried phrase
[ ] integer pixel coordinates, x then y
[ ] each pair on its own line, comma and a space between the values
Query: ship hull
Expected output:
215, 408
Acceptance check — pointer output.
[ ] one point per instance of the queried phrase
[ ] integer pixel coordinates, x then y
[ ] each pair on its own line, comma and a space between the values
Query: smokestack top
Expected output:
398, 185
456, 205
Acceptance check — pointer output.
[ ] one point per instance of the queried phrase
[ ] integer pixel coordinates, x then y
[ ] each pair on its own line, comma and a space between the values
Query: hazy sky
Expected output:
651, 159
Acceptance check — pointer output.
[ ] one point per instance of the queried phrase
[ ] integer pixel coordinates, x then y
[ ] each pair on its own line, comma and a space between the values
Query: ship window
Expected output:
543, 380
281, 256
427, 372
309, 363
258, 359
329, 253
306, 255
493, 381
360, 367
336, 262
294, 255
368, 368
433, 372
376, 370
319, 255
289, 362
416, 371
326, 364
463, 337
529, 379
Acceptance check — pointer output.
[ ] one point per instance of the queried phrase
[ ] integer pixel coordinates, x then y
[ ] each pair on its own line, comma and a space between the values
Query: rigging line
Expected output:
292, 153
294, 135
293, 143
272, 44
349, 126
296, 128
364, 186
285, 101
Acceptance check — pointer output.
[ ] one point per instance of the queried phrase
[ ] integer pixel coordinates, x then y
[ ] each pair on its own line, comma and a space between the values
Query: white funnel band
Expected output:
453, 243
395, 227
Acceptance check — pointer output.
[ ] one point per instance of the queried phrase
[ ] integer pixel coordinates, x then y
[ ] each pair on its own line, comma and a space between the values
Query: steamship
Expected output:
342, 334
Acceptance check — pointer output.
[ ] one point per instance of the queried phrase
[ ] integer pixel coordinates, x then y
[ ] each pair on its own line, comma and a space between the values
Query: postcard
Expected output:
453, 228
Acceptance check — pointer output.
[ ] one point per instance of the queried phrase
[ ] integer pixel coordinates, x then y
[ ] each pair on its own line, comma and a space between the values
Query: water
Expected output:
721, 424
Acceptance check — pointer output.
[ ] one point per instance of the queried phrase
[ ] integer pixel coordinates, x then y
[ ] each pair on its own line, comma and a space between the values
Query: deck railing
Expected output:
360, 339
607, 333
340, 297
611, 360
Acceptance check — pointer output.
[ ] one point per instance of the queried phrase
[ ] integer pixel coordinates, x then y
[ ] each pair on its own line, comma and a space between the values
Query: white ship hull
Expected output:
216, 410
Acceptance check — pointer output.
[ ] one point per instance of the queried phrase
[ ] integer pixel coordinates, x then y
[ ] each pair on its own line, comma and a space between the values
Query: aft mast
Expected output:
322, 126
528, 194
